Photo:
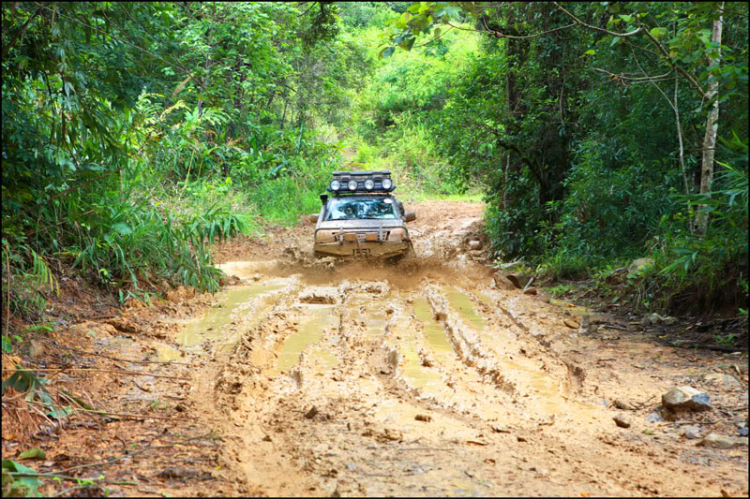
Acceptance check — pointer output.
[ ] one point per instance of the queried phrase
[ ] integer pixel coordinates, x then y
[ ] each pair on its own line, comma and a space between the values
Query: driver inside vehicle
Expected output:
358, 208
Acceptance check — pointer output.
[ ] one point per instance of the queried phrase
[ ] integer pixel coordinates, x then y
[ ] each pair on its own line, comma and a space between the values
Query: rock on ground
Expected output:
621, 421
686, 398
717, 441
692, 432
502, 282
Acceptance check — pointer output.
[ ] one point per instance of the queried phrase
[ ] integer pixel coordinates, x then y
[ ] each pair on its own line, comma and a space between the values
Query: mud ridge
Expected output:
466, 342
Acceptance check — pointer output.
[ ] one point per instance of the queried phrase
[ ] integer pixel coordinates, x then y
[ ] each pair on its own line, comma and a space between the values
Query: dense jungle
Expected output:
576, 287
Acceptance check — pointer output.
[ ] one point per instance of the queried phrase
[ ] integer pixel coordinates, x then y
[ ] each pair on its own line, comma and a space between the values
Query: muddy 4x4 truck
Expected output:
361, 218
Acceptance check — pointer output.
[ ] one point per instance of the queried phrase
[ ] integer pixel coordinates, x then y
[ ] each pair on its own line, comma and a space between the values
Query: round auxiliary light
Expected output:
369, 184
387, 184
335, 185
352, 185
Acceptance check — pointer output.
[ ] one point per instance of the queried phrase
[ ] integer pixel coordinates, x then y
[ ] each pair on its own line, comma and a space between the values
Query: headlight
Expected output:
352, 185
335, 185
397, 235
387, 183
323, 236
369, 184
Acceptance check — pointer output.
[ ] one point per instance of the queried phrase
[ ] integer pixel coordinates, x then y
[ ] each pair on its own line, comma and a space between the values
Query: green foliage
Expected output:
708, 271
395, 112
560, 290
30, 279
135, 136
25, 485
573, 132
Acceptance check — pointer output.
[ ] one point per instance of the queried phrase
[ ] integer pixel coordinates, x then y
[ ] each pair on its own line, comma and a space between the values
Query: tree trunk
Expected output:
204, 86
712, 125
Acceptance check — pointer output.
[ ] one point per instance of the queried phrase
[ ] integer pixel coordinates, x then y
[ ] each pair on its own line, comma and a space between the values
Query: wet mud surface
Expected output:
424, 379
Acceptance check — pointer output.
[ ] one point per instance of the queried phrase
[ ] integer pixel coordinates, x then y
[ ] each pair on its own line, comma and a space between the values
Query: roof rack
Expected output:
361, 182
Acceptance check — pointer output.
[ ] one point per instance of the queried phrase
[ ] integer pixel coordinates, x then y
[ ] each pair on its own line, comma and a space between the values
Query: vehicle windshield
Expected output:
362, 208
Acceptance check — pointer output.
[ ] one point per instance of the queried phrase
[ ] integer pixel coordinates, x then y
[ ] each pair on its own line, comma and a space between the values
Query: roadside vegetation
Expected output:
596, 134
135, 135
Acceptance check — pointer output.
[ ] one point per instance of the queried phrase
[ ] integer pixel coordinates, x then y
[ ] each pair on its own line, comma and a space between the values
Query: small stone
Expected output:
423, 417
686, 397
267, 438
530, 291
691, 432
654, 417
625, 406
502, 282
311, 413
475, 245
716, 441
743, 432
621, 421
571, 324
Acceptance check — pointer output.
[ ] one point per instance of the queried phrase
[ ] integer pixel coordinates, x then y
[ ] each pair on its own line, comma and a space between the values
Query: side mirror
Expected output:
410, 216
324, 199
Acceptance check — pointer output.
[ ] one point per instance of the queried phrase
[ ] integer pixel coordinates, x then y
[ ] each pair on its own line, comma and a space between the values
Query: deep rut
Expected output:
418, 379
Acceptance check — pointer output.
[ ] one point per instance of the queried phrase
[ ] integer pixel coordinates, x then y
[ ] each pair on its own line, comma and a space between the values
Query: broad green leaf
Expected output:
122, 228
60, 413
31, 483
34, 453
387, 52
7, 346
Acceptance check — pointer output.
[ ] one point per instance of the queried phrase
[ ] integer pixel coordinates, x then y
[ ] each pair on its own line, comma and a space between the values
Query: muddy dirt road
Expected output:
425, 379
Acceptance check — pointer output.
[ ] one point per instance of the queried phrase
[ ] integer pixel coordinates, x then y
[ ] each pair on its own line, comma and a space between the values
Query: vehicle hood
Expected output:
361, 224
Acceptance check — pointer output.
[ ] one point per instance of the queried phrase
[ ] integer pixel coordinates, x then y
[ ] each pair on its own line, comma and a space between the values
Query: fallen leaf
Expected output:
34, 453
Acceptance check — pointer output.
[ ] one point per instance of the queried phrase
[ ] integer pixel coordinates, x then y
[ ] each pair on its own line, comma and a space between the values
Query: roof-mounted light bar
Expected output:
361, 182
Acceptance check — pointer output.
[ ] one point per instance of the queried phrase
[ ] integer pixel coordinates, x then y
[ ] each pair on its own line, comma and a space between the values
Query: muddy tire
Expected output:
393, 260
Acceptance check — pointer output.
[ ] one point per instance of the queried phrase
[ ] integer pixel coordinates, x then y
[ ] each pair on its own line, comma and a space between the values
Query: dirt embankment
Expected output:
421, 378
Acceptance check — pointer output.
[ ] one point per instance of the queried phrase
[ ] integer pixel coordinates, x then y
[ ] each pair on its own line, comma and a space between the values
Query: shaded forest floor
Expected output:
309, 377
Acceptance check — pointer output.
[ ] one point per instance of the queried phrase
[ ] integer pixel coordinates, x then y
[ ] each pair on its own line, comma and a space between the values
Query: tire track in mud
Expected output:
377, 366
419, 379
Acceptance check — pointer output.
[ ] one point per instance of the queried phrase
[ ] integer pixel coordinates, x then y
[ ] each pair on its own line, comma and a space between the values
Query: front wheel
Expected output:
393, 260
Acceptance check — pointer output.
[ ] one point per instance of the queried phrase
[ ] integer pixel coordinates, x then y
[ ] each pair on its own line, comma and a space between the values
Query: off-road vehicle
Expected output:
362, 217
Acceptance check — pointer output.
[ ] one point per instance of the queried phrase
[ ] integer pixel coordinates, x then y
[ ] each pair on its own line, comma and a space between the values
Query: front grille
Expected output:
361, 235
